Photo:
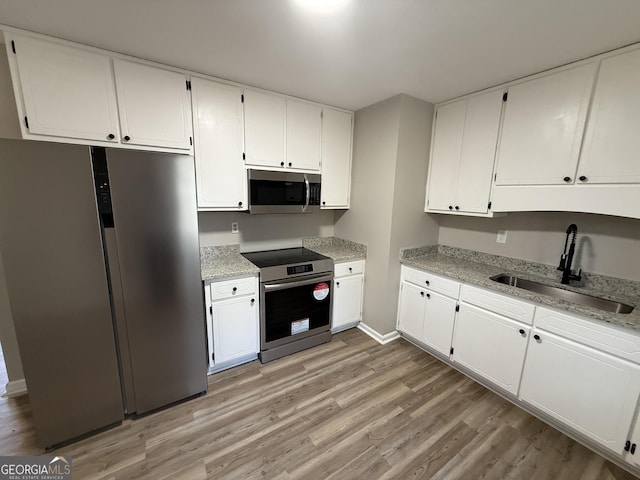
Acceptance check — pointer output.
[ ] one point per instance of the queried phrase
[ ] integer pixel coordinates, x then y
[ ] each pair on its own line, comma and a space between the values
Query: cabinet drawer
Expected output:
232, 288
592, 333
497, 303
348, 268
447, 287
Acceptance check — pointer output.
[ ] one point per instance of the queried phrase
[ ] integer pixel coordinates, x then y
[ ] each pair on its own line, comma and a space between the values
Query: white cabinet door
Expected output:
264, 129
439, 319
490, 345
219, 144
337, 135
478, 153
235, 328
304, 135
67, 91
588, 390
347, 301
461, 168
154, 106
411, 310
543, 127
208, 308
612, 141
445, 155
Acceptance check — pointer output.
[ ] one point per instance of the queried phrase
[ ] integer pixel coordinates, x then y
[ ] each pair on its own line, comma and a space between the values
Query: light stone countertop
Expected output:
225, 261
476, 268
338, 249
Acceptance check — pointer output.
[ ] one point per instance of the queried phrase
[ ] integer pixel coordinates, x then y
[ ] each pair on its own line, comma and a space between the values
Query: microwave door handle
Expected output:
308, 196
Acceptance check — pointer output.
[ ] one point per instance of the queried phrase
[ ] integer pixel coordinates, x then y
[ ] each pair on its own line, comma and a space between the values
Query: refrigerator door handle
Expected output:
119, 319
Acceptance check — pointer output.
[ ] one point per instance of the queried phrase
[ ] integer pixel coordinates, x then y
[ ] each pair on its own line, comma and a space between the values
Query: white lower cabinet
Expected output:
491, 345
426, 315
590, 391
232, 322
347, 299
632, 446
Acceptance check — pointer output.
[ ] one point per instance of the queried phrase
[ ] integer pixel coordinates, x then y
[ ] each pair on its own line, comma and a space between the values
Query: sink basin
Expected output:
575, 297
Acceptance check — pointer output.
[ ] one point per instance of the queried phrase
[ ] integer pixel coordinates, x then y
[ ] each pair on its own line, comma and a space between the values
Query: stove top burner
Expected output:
288, 263
285, 256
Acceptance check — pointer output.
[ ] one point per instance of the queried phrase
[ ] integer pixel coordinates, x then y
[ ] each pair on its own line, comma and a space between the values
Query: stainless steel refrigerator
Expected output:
101, 257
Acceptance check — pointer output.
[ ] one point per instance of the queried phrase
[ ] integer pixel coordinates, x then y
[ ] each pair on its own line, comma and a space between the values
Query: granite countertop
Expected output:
224, 261
338, 249
476, 268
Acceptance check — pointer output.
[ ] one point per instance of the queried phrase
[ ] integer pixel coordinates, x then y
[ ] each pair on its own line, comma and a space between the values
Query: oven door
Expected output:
293, 309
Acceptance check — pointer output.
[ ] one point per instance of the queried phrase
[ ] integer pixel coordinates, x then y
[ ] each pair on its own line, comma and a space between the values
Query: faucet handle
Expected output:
563, 261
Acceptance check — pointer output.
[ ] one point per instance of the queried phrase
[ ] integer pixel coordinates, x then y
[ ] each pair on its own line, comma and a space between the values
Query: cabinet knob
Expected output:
234, 289
282, 164
324, 203
350, 269
428, 295
337, 284
583, 178
567, 179
537, 338
522, 332
450, 207
253, 300
422, 294
126, 138
457, 207
427, 282
289, 163
111, 136
239, 204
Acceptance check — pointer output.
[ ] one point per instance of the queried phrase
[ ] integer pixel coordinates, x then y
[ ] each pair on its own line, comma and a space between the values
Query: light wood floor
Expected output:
350, 409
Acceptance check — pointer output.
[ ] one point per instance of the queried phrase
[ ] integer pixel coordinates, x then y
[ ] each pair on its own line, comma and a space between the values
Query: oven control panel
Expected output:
297, 269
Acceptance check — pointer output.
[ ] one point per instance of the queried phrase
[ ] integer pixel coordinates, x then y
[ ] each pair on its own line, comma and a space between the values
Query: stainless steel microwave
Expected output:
283, 192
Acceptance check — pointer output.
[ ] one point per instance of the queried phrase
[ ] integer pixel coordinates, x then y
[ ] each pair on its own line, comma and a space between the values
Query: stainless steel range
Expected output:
295, 300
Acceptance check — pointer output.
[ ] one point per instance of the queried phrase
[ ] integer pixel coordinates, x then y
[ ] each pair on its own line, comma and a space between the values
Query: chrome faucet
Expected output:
567, 258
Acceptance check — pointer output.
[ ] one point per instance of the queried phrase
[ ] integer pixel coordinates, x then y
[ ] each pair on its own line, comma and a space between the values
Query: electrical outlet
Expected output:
235, 227
502, 236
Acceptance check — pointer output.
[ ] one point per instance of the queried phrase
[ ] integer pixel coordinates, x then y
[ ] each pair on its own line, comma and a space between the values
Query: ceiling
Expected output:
352, 55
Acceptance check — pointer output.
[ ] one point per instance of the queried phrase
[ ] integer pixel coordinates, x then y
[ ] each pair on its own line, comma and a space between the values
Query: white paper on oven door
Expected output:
300, 326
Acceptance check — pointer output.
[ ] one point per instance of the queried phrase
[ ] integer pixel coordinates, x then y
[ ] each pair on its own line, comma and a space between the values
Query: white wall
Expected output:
391, 144
262, 232
606, 245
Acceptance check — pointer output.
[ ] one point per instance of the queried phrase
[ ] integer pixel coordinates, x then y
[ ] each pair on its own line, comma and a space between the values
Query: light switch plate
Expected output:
502, 236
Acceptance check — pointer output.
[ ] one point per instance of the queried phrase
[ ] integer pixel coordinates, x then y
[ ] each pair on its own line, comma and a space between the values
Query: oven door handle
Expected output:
270, 287
308, 195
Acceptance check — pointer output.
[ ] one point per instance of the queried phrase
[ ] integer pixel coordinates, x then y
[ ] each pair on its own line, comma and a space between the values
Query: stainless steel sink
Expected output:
575, 297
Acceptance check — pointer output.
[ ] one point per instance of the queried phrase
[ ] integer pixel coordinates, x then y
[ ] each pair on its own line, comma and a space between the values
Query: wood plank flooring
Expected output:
349, 409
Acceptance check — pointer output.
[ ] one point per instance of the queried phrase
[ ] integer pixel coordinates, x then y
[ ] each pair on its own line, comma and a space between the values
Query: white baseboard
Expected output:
15, 388
378, 337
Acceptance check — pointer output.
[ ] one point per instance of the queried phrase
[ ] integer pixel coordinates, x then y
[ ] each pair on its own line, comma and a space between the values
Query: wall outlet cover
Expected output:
502, 236
235, 227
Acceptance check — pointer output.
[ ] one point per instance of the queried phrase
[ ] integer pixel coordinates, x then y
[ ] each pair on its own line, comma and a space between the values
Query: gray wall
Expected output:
391, 143
8, 333
261, 232
606, 245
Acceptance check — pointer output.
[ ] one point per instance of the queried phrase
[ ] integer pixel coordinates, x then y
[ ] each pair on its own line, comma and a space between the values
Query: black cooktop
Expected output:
284, 256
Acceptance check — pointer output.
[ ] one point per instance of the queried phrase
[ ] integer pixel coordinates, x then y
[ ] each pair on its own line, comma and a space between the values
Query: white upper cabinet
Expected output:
463, 154
154, 106
304, 134
337, 134
66, 91
612, 141
543, 127
219, 144
264, 129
